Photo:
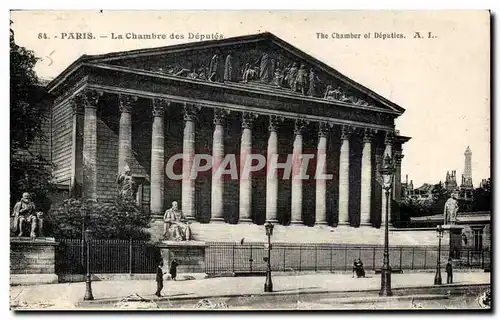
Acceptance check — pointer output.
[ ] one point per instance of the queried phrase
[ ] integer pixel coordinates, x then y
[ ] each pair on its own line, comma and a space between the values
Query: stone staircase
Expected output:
223, 232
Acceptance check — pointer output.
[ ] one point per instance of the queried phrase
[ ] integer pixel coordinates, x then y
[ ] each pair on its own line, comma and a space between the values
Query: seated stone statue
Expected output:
175, 227
24, 211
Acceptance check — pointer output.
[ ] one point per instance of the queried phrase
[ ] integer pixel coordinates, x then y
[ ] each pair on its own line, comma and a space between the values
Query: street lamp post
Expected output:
268, 286
387, 172
437, 278
88, 279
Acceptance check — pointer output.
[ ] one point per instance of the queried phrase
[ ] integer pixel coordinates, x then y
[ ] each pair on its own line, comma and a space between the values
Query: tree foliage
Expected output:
482, 197
118, 219
28, 109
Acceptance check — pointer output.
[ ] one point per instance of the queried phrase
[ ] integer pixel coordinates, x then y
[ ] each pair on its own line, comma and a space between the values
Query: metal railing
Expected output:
107, 256
248, 258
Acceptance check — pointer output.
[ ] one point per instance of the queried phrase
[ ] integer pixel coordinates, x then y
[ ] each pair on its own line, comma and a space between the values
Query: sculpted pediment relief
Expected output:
257, 64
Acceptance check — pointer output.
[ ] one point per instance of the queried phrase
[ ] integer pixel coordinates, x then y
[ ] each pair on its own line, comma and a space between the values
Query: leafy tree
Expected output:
28, 110
482, 197
118, 219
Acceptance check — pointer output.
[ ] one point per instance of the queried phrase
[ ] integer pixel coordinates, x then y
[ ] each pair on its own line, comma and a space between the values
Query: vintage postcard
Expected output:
250, 160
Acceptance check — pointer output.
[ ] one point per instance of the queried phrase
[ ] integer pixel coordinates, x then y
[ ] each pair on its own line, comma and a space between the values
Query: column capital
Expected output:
323, 129
126, 102
398, 157
300, 124
274, 122
159, 106
87, 98
77, 103
346, 132
368, 134
389, 137
220, 115
247, 119
191, 111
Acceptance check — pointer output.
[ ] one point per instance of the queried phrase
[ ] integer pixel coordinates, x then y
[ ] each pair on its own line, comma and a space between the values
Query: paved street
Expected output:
67, 295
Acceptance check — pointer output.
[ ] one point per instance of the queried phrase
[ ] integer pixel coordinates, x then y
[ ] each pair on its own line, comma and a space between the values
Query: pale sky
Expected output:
443, 82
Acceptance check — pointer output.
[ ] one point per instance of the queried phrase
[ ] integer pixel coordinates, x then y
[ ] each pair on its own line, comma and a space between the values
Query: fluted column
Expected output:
344, 176
246, 175
398, 157
188, 150
76, 183
125, 131
217, 157
272, 175
366, 177
158, 157
389, 139
90, 98
297, 174
320, 173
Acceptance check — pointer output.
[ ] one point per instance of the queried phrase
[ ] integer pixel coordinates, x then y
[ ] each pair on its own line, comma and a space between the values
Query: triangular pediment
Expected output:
256, 61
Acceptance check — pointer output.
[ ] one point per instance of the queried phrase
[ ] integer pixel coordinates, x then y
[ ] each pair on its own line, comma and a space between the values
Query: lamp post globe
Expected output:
387, 173
88, 278
268, 286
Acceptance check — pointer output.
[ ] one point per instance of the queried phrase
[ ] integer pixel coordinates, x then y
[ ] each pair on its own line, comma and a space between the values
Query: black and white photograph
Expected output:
250, 160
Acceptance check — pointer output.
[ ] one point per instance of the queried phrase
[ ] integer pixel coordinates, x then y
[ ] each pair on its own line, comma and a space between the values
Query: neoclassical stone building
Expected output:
251, 94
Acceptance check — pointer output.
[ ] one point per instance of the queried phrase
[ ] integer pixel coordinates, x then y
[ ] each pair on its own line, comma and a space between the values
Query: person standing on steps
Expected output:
159, 279
173, 269
449, 272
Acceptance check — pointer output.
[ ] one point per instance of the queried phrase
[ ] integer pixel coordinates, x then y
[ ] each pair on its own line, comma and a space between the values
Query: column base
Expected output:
245, 221
217, 220
321, 223
190, 218
343, 225
296, 222
365, 224
272, 221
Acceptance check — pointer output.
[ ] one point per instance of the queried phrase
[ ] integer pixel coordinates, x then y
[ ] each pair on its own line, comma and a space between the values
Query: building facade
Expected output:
247, 95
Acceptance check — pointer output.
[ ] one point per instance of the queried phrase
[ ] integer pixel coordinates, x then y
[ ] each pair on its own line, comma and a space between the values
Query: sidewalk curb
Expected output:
399, 293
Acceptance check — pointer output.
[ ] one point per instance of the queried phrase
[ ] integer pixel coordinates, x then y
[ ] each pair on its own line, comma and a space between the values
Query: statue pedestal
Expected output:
190, 255
454, 234
32, 261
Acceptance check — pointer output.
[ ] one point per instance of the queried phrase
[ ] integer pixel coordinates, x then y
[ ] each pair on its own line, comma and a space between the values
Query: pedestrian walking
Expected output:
173, 269
449, 272
159, 279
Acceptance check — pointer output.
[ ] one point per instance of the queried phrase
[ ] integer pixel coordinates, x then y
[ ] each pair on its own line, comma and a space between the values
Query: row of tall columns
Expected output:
85, 124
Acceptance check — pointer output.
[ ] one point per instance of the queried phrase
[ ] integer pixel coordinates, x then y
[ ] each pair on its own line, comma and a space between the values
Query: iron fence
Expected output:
249, 258
107, 256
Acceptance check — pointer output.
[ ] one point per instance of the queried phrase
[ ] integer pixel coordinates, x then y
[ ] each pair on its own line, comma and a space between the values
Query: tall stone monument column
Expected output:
297, 173
320, 173
125, 133
246, 175
366, 178
188, 150
344, 177
158, 157
91, 98
272, 177
217, 158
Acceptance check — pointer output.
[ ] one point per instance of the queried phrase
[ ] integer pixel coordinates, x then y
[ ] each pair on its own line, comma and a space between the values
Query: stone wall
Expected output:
32, 261
61, 141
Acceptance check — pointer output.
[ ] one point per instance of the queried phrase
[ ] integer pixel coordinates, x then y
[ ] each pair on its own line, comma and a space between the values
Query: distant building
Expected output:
450, 184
